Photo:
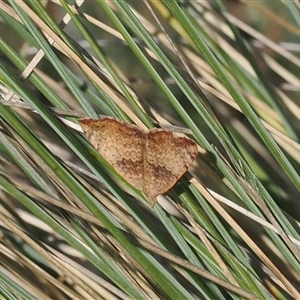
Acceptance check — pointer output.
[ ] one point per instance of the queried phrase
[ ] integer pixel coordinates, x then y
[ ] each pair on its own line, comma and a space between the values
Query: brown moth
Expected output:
152, 161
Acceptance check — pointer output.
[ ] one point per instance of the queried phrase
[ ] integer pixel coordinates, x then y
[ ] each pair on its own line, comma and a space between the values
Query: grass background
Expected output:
226, 73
